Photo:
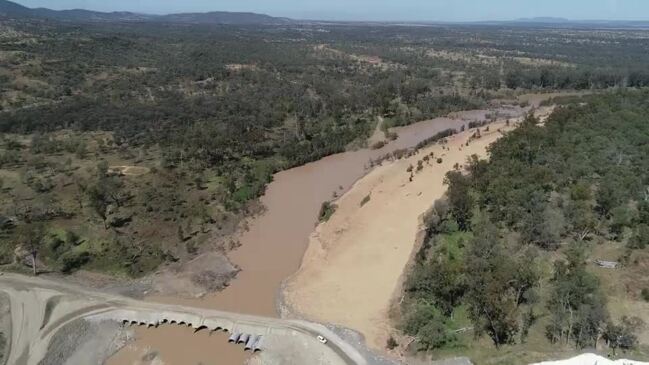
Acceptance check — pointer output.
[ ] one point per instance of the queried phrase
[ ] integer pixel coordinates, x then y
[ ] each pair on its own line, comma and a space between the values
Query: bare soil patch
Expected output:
130, 170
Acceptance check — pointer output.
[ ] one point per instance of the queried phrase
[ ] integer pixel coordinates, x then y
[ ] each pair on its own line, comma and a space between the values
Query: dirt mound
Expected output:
207, 273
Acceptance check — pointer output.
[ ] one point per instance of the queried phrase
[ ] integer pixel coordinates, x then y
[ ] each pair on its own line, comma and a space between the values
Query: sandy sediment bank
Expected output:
274, 243
354, 263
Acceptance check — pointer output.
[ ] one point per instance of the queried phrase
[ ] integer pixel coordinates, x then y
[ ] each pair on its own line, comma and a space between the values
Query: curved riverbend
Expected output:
274, 244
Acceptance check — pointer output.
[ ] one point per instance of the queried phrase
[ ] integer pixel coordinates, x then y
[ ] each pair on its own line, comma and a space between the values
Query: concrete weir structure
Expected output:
40, 309
252, 338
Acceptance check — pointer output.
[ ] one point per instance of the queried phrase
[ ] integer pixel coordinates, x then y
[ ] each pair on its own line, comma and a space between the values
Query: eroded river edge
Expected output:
274, 245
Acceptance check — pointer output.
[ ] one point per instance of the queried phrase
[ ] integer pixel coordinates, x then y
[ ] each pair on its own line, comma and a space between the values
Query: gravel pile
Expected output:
356, 339
5, 327
84, 342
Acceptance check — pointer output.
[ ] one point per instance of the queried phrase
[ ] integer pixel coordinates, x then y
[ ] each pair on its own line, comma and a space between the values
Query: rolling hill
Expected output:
221, 17
10, 9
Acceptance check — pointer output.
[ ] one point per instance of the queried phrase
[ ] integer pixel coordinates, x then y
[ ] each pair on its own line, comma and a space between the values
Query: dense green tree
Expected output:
581, 218
441, 280
577, 307
643, 211
621, 335
429, 326
459, 198
640, 238
99, 201
582, 175
497, 284
608, 195
581, 191
621, 217
543, 224
31, 236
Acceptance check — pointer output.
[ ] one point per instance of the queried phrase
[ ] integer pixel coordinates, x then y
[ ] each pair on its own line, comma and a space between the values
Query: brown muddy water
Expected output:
175, 344
273, 247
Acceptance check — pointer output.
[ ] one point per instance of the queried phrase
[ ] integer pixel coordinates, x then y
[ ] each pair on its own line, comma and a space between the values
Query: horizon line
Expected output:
537, 19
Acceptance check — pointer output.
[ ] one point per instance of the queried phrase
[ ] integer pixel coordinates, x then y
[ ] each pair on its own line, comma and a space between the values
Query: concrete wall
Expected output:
246, 332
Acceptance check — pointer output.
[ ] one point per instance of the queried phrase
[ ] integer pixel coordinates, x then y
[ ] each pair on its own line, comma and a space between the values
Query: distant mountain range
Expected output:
10, 9
563, 22
543, 19
550, 20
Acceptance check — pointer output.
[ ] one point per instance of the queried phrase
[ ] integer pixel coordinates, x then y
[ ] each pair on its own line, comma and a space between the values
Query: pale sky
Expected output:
381, 10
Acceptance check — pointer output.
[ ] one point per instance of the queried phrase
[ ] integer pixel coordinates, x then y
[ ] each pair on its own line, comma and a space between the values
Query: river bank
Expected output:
354, 264
273, 246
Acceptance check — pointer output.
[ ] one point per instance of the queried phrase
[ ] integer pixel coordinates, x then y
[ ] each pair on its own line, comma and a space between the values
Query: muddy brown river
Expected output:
273, 247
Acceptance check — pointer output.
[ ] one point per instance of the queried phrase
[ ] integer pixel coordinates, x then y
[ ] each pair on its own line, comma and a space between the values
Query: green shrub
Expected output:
621, 335
428, 325
366, 199
645, 294
56, 246
621, 217
435, 335
391, 136
72, 261
71, 238
392, 343
326, 211
448, 226
640, 238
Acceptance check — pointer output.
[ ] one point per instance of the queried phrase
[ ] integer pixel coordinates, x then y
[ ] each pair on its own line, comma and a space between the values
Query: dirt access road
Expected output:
40, 308
354, 263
